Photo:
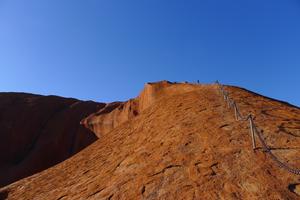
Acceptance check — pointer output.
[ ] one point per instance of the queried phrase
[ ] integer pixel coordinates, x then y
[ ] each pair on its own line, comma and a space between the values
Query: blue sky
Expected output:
105, 50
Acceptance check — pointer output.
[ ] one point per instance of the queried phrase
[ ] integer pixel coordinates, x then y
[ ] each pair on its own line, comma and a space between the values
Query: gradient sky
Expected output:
105, 50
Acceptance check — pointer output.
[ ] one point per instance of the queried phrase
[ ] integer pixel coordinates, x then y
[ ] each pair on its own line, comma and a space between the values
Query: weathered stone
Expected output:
175, 148
37, 132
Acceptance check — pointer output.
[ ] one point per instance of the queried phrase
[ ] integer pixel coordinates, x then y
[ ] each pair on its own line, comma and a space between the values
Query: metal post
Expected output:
252, 132
235, 112
232, 103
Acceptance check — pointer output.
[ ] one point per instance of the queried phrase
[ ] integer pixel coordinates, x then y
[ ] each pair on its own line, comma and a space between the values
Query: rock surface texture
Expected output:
176, 141
37, 132
114, 114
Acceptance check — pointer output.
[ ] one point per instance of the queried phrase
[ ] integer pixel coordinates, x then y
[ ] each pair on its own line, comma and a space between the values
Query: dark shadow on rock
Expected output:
292, 188
3, 195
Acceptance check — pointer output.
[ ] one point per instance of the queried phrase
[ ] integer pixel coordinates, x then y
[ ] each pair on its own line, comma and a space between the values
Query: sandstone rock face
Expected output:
37, 132
117, 113
184, 143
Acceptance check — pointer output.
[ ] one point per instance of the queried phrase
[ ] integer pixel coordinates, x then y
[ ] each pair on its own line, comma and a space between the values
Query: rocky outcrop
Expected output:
184, 143
37, 132
114, 114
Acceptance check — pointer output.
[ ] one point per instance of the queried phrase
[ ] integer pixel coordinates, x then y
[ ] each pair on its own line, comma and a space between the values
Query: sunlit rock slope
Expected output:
177, 141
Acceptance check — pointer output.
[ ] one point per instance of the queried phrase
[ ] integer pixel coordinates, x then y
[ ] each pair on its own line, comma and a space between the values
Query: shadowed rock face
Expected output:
37, 132
181, 143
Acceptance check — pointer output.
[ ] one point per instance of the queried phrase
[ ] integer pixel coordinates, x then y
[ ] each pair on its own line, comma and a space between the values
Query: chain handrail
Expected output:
254, 130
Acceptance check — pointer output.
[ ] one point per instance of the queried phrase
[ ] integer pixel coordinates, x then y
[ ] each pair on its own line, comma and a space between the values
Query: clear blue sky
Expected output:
105, 50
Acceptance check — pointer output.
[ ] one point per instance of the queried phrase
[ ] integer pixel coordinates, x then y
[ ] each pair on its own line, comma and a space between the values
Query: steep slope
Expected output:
114, 114
184, 145
37, 132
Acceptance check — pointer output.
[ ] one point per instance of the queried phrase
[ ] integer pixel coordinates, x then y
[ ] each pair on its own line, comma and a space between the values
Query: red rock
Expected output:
184, 143
40, 131
117, 113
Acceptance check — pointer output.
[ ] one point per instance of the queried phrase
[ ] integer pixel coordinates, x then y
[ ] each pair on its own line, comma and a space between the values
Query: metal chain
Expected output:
254, 130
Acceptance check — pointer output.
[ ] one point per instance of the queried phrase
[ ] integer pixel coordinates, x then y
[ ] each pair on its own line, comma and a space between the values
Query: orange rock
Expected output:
184, 143
117, 113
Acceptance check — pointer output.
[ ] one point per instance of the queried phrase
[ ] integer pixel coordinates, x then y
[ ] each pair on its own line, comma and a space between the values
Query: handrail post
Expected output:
231, 103
235, 112
252, 132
